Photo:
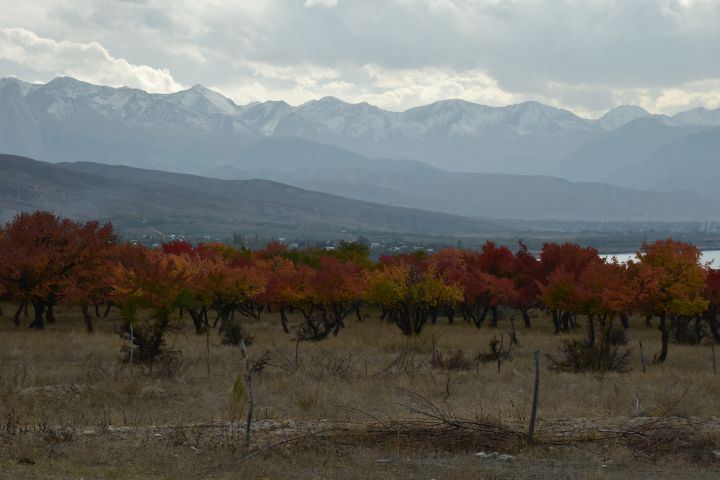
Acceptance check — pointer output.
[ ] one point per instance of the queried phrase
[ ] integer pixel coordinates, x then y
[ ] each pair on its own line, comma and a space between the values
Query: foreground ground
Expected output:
365, 404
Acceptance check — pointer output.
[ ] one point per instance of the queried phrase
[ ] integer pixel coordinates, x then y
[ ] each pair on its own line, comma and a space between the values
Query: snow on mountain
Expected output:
333, 116
65, 98
266, 117
621, 115
204, 100
67, 119
447, 118
200, 107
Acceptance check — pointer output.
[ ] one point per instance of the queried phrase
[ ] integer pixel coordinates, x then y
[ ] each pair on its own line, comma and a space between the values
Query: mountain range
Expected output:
451, 156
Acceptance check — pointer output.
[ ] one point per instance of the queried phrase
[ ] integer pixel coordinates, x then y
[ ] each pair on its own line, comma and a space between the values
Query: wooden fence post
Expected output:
248, 382
536, 397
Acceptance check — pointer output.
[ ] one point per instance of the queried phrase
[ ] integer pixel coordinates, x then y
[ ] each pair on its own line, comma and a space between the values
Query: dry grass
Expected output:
70, 408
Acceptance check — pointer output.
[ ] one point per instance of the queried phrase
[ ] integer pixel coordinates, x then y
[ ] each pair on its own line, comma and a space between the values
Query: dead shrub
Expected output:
331, 363
499, 350
579, 356
169, 365
147, 338
232, 333
454, 360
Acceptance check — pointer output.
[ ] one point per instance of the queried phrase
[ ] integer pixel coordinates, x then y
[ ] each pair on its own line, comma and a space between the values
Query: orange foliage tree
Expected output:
148, 287
674, 286
44, 257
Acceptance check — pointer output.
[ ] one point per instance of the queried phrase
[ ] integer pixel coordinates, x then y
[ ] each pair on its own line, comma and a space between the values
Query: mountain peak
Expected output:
627, 109
202, 98
330, 99
17, 85
621, 115
67, 82
327, 101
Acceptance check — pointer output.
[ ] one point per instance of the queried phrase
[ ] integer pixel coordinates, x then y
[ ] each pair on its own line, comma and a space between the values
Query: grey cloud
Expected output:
577, 54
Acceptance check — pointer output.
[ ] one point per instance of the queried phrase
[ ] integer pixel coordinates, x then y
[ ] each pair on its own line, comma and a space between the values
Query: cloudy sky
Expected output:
587, 56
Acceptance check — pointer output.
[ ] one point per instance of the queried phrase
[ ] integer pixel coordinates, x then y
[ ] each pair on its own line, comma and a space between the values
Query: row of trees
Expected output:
46, 260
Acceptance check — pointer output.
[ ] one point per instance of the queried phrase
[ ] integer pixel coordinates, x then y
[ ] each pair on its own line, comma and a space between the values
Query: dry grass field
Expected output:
364, 404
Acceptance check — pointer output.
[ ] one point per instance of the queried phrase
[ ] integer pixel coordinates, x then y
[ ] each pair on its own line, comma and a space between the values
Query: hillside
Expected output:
159, 200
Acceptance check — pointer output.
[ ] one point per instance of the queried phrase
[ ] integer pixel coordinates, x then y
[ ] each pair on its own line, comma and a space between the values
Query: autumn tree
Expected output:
93, 284
148, 286
213, 282
409, 294
561, 265
287, 285
673, 284
336, 289
43, 256
525, 273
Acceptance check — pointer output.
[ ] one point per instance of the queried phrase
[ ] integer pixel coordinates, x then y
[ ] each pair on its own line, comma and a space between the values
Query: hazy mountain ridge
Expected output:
410, 184
148, 197
366, 152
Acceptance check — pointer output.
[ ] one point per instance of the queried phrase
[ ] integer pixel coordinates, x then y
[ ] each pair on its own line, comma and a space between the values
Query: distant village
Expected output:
376, 248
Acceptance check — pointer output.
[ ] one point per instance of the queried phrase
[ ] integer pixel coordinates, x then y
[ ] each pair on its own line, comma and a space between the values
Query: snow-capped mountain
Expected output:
364, 152
66, 98
447, 118
198, 128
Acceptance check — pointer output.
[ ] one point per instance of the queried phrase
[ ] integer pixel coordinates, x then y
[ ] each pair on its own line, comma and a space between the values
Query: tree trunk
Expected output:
16, 318
699, 331
284, 320
556, 322
625, 320
450, 312
197, 319
50, 313
87, 318
494, 311
526, 318
39, 308
665, 329
591, 331
566, 322
713, 321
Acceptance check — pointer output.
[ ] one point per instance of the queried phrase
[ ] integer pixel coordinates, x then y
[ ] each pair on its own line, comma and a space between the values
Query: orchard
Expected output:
47, 261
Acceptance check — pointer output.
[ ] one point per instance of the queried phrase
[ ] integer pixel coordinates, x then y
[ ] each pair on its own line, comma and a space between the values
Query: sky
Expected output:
587, 56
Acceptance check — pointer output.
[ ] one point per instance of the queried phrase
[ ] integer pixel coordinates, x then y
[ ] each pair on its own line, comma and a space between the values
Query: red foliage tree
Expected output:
43, 257
561, 265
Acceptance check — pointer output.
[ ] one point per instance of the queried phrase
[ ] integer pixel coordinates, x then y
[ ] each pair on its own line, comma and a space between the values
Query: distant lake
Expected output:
707, 256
